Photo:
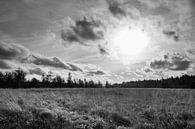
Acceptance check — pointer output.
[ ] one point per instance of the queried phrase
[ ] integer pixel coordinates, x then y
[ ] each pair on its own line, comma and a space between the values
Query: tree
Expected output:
69, 80
19, 77
34, 82
58, 80
108, 85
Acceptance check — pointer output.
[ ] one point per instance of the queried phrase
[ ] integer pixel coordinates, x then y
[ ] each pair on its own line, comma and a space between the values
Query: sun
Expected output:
128, 43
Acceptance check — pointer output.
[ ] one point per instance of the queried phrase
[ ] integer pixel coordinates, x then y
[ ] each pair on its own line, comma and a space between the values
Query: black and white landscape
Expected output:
97, 64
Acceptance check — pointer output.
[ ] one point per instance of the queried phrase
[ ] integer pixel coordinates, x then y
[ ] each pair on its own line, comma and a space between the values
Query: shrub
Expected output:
167, 120
101, 113
99, 126
112, 118
47, 114
149, 115
186, 116
13, 119
25, 120
120, 121
145, 126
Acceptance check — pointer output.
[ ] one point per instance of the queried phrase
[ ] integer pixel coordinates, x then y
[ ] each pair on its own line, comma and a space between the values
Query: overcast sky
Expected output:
83, 37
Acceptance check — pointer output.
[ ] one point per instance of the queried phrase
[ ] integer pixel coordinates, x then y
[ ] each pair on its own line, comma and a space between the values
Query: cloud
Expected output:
4, 65
116, 8
171, 34
32, 1
144, 72
15, 52
98, 72
174, 62
37, 71
13, 56
192, 3
103, 50
191, 51
12, 51
50, 62
147, 70
69, 35
151, 3
74, 67
92, 70
83, 30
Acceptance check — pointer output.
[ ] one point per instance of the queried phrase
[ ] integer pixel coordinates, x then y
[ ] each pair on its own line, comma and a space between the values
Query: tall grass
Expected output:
97, 109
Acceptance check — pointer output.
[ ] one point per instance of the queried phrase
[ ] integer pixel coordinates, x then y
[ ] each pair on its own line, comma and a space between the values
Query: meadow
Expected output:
102, 108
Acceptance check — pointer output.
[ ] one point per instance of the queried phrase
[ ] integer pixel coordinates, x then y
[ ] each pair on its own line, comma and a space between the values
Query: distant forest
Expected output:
17, 79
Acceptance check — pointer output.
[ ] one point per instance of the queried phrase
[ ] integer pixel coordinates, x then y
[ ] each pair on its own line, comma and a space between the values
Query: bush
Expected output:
120, 121
25, 120
149, 115
145, 126
186, 116
13, 119
101, 113
99, 126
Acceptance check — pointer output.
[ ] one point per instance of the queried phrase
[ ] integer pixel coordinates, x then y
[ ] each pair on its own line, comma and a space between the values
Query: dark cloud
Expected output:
74, 67
175, 62
98, 72
147, 70
4, 65
84, 30
193, 4
50, 62
37, 71
16, 52
171, 34
12, 51
103, 50
69, 35
116, 8
191, 51
13, 55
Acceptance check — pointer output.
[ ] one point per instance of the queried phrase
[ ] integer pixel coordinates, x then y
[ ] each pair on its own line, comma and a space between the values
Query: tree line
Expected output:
183, 82
17, 79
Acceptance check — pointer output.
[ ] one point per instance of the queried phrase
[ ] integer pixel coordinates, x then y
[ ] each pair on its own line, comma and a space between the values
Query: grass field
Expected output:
97, 109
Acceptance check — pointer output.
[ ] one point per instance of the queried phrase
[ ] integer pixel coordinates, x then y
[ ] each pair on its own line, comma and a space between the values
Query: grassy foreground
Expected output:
97, 109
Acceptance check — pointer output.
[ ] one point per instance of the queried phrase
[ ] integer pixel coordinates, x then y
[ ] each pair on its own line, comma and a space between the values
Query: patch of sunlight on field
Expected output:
98, 108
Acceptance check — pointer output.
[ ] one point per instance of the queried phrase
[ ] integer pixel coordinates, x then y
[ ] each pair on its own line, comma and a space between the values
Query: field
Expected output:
97, 109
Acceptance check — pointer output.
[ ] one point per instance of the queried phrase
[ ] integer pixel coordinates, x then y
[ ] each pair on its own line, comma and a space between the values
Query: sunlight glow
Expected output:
129, 43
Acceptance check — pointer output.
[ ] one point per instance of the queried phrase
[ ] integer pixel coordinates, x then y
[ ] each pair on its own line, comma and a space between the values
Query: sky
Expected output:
106, 40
